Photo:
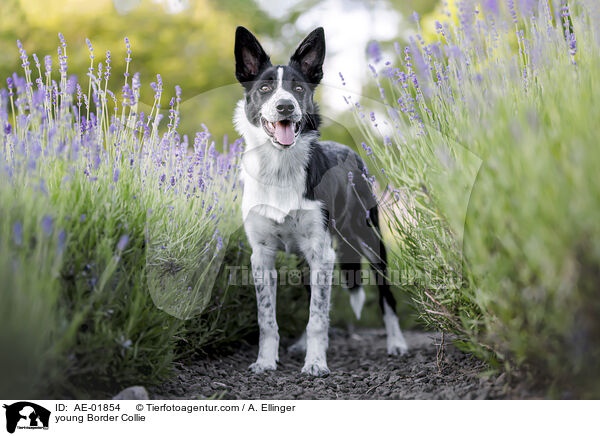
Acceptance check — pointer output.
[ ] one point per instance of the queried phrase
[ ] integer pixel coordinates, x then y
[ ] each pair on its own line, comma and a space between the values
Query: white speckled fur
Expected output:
278, 217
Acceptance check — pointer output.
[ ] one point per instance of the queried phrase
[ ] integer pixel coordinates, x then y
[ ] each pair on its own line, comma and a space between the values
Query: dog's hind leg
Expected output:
396, 344
349, 259
352, 281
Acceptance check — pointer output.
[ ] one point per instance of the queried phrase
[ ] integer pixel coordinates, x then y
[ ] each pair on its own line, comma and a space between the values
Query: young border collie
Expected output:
301, 195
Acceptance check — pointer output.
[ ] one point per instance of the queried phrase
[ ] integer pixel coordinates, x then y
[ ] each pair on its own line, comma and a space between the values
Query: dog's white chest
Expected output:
273, 201
275, 182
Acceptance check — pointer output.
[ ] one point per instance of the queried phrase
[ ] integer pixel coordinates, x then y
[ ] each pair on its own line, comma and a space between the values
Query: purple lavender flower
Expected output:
108, 67
47, 224
373, 70
135, 84
9, 83
62, 61
7, 128
18, 233
572, 44
62, 237
122, 242
128, 97
178, 93
48, 64
71, 85
157, 87
415, 17
374, 51
23, 56
36, 60
513, 11
171, 113
438, 26
115, 177
128, 58
90, 48
79, 95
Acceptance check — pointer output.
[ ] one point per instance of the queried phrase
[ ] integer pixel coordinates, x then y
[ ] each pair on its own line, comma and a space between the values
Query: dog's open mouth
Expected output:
283, 132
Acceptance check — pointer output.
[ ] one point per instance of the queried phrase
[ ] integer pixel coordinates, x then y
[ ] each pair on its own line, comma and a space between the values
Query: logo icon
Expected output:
26, 415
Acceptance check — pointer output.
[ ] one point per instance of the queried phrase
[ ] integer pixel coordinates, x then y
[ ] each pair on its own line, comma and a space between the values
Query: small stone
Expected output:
132, 393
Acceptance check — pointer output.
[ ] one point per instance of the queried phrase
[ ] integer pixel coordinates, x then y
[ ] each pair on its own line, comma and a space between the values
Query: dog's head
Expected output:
279, 98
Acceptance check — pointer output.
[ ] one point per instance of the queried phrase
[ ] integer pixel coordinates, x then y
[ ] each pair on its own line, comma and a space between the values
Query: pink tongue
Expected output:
284, 134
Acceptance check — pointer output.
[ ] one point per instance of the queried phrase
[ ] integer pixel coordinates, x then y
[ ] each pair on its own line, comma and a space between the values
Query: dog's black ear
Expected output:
309, 56
250, 58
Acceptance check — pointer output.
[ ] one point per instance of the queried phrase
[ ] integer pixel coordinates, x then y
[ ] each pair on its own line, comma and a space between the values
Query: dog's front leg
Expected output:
265, 282
317, 330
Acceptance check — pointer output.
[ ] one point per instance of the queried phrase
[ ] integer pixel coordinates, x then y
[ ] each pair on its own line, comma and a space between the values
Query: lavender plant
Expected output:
113, 230
488, 145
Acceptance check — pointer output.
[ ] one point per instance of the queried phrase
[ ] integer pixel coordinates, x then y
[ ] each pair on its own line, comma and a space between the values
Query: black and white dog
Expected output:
301, 195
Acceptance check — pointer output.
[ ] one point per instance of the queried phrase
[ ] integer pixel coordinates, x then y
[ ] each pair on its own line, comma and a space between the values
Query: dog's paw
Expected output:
261, 366
397, 347
316, 369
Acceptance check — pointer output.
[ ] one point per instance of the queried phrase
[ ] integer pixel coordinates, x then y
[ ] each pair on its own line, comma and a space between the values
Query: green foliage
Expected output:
77, 315
494, 158
28, 293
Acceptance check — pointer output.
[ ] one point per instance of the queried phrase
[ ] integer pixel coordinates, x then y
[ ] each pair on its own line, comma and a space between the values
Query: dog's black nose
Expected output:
285, 107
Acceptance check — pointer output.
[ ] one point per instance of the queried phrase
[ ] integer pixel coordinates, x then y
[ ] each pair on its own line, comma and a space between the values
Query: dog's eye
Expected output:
265, 88
299, 88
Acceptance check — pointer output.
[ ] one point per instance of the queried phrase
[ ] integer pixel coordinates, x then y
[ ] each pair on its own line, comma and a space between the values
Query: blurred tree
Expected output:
193, 48
407, 7
189, 42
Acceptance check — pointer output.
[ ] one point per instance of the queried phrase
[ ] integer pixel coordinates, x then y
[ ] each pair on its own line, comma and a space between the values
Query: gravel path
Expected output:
360, 369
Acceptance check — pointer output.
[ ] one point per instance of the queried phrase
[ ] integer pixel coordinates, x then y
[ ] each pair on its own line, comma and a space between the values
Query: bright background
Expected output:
190, 43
